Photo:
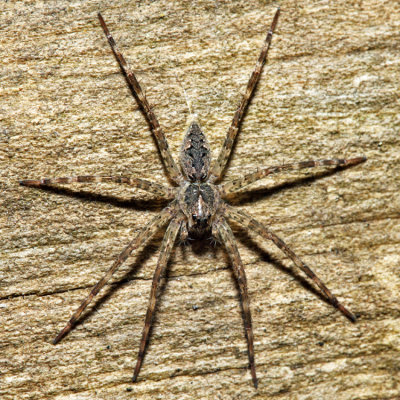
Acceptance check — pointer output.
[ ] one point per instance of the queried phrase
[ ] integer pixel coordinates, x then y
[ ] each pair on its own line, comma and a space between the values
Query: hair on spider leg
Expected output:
214, 241
186, 241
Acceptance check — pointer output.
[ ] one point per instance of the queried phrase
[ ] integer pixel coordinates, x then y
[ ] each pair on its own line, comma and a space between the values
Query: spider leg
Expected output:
162, 143
249, 222
228, 239
141, 238
165, 252
251, 85
152, 187
245, 180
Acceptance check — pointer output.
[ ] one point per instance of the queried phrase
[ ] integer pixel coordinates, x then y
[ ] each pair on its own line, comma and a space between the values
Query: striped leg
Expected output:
251, 85
165, 252
155, 188
228, 239
143, 236
169, 162
245, 180
247, 221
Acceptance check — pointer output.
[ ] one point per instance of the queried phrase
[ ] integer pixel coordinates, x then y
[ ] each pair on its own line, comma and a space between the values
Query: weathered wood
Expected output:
330, 89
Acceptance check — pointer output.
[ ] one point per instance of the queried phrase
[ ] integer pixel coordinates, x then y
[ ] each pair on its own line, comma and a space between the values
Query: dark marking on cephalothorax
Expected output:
195, 154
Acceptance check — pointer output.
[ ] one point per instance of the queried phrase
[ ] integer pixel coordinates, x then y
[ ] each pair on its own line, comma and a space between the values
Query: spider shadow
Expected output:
139, 205
199, 246
148, 121
141, 257
250, 196
242, 235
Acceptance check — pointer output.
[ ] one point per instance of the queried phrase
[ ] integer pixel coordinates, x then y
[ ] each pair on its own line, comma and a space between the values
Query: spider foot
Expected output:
62, 333
346, 312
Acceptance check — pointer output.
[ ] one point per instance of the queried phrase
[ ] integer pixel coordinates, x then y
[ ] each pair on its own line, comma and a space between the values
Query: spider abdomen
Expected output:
195, 154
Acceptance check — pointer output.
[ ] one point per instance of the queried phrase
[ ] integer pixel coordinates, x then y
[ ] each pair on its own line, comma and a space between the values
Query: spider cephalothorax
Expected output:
197, 205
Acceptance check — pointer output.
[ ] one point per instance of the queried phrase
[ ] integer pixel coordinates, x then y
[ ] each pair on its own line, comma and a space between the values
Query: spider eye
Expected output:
200, 222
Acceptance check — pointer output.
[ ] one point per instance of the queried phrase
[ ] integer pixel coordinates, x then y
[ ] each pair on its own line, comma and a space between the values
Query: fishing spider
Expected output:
197, 207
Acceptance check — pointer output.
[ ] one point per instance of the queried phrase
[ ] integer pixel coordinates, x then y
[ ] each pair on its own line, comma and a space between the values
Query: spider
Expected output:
198, 205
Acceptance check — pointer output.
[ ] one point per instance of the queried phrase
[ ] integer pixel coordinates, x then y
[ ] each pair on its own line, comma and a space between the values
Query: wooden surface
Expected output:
330, 89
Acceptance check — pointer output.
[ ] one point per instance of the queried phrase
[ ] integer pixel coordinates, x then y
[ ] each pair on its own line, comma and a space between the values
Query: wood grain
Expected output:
330, 89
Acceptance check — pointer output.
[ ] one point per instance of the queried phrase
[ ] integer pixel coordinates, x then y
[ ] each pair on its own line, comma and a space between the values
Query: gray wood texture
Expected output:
330, 89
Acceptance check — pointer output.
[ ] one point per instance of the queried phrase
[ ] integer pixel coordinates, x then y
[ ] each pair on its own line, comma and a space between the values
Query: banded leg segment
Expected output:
165, 252
162, 143
142, 237
152, 187
245, 180
251, 85
228, 239
246, 220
